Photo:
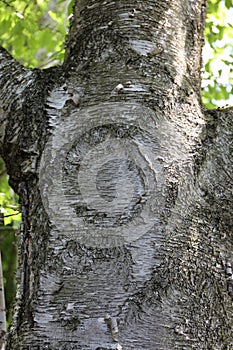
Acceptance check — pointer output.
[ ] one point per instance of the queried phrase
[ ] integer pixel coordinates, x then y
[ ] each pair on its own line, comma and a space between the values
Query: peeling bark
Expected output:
125, 184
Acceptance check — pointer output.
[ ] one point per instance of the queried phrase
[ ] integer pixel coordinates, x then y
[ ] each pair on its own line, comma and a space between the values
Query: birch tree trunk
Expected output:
125, 185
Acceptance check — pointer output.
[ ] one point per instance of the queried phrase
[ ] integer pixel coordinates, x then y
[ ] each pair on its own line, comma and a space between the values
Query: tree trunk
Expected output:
125, 185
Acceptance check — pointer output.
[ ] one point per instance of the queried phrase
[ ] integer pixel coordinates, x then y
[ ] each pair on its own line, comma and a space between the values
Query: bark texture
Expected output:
125, 184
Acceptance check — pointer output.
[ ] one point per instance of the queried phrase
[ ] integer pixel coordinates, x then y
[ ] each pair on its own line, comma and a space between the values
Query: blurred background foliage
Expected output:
10, 219
34, 33
217, 77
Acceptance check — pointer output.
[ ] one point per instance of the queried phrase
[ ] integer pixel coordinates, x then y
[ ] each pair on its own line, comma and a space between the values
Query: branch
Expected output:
14, 78
7, 216
7, 3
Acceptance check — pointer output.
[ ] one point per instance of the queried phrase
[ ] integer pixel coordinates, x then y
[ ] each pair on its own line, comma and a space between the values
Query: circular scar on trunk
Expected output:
101, 178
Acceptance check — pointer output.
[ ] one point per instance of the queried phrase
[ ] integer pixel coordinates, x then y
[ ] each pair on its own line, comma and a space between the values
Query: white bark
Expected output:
125, 185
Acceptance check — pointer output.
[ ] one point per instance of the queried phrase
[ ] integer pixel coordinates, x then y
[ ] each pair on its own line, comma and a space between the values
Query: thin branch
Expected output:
7, 216
7, 4
15, 207
11, 6
25, 8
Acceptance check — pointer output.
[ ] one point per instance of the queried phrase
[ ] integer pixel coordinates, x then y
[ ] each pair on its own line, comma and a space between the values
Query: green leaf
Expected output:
70, 7
228, 3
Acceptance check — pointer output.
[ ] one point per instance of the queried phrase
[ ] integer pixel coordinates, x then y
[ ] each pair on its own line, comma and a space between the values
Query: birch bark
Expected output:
125, 182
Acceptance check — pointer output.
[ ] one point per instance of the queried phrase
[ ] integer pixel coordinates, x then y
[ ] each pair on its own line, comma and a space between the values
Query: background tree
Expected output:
75, 100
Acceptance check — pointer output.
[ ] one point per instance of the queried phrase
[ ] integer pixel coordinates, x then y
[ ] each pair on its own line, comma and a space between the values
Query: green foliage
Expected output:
9, 206
218, 54
34, 31
10, 219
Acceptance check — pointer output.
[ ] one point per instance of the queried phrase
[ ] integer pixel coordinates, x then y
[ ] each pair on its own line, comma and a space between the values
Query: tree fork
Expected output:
124, 180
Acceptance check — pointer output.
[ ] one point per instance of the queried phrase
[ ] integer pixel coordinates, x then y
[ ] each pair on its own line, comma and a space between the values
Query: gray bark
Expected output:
2, 309
125, 184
